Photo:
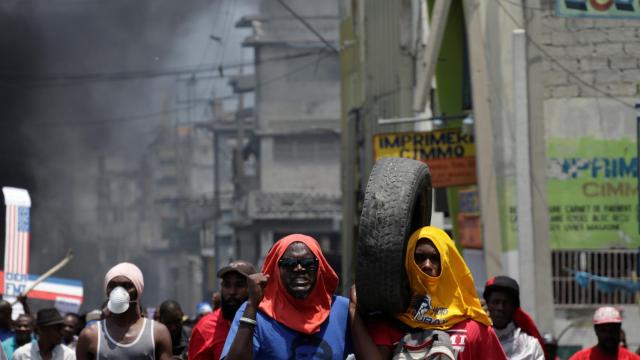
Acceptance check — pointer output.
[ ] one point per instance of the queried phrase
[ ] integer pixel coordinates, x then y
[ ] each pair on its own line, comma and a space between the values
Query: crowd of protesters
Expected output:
289, 310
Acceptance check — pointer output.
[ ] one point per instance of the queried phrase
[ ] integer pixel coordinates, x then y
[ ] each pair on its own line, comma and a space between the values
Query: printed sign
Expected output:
593, 192
598, 8
468, 220
450, 154
53, 288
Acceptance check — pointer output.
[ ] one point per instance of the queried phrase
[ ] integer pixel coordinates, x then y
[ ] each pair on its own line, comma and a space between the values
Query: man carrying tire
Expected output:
291, 312
443, 298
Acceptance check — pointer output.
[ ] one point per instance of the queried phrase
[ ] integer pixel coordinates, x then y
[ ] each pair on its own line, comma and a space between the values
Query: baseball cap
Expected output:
240, 266
607, 315
503, 283
203, 308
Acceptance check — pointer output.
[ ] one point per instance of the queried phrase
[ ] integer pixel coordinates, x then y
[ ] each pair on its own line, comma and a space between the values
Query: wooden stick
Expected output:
47, 274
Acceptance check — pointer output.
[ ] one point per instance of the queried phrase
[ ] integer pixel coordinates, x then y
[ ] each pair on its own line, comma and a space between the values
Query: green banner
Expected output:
593, 193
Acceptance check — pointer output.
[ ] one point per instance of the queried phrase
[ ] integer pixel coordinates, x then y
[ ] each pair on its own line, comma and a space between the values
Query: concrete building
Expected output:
578, 74
177, 212
297, 125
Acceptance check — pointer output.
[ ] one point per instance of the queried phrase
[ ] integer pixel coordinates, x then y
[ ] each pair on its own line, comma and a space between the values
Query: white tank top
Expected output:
142, 348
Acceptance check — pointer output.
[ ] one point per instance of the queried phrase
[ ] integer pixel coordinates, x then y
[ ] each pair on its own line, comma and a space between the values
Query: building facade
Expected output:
296, 137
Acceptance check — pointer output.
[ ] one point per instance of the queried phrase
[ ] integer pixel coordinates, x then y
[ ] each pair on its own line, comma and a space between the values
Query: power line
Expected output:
561, 66
155, 114
308, 26
226, 30
294, 71
71, 79
104, 121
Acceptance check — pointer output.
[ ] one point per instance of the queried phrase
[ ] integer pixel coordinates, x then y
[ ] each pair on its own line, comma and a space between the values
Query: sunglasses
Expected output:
306, 263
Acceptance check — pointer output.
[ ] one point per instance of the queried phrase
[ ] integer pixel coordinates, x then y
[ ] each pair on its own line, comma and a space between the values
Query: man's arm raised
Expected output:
163, 341
86, 348
242, 346
363, 346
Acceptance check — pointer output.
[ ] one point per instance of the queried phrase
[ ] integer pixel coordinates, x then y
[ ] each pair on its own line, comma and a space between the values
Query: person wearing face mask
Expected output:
23, 328
124, 333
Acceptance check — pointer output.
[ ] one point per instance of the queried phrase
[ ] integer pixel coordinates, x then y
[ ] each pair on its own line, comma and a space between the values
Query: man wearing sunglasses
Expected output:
291, 308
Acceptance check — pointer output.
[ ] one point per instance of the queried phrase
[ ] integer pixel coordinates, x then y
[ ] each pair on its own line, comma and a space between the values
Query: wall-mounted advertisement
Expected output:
598, 8
450, 153
593, 193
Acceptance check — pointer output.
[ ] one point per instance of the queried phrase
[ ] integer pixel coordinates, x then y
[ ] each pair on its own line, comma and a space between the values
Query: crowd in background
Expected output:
289, 310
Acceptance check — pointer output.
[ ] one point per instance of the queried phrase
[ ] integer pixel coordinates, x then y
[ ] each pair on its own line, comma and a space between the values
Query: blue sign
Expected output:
598, 8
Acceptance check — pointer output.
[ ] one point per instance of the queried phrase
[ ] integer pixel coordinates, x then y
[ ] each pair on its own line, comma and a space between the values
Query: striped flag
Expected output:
16, 256
16, 248
54, 289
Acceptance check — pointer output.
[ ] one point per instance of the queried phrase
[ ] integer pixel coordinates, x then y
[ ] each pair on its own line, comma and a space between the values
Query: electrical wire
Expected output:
308, 26
156, 114
71, 79
561, 66
103, 121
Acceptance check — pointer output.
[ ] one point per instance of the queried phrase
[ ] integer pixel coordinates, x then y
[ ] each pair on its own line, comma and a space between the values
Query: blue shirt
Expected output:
9, 346
5, 334
272, 340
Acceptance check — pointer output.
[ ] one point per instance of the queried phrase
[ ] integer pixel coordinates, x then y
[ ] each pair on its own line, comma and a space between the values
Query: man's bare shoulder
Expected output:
89, 332
159, 328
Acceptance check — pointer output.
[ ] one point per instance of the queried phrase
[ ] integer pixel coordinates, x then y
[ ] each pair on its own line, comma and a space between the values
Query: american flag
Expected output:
16, 248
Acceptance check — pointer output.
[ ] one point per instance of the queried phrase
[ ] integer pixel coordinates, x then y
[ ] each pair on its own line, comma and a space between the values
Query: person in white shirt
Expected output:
48, 346
518, 334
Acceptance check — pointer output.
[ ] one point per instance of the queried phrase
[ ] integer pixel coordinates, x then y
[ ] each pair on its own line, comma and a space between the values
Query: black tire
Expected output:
397, 202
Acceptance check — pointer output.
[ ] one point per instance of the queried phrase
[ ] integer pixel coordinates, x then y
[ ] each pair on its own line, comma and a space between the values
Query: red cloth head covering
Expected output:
302, 315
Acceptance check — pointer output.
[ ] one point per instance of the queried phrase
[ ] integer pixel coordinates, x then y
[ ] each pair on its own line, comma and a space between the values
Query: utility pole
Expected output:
526, 254
349, 196
544, 308
239, 161
490, 222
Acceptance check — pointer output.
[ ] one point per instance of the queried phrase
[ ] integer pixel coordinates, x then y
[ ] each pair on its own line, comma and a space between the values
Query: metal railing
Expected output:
618, 264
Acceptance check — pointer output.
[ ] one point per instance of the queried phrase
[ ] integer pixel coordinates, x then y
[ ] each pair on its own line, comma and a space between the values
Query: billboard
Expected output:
598, 8
593, 192
450, 153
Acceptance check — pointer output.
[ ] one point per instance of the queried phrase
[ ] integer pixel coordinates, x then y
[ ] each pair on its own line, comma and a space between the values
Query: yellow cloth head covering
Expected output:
443, 301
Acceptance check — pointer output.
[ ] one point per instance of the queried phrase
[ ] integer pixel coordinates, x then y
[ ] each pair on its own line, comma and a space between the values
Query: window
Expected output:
306, 148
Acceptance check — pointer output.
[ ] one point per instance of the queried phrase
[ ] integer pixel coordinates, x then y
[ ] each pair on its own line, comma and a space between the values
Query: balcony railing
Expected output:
618, 264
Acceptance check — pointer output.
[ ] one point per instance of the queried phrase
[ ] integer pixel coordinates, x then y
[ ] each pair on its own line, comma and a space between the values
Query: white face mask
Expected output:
119, 300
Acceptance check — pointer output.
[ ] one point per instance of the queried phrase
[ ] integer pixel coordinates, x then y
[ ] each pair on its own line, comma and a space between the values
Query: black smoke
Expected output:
74, 89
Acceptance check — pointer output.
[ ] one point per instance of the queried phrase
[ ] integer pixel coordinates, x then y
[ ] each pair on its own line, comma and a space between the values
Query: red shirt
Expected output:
208, 337
595, 354
471, 340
